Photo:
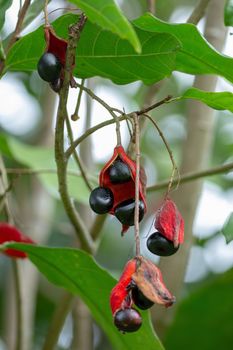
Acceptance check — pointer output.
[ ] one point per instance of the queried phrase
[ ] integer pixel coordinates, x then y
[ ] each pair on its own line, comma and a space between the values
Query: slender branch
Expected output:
151, 6
193, 176
136, 211
174, 167
59, 317
46, 18
198, 12
75, 115
61, 160
155, 105
76, 156
106, 106
19, 306
18, 27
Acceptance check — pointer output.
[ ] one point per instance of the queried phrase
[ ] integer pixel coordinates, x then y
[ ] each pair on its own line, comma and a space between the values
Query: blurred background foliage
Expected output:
203, 319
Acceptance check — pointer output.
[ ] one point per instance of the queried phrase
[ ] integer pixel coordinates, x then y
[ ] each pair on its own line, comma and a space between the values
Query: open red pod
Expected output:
125, 191
9, 233
169, 222
58, 47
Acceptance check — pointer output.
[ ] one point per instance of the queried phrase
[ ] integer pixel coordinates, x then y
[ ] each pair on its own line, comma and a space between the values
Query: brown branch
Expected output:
60, 157
151, 6
198, 12
155, 105
192, 176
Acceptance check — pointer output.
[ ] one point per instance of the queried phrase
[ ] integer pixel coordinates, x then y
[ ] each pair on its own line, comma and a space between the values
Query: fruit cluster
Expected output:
140, 285
116, 192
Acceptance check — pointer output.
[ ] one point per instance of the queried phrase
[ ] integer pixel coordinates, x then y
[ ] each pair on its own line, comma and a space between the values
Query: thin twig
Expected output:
18, 27
109, 109
19, 306
151, 6
192, 176
155, 105
46, 17
75, 115
174, 167
61, 160
137, 178
76, 156
198, 12
58, 320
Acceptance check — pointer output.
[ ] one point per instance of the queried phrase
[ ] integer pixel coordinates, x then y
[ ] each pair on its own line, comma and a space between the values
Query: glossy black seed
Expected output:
119, 172
56, 85
160, 245
101, 200
140, 300
128, 320
49, 67
125, 212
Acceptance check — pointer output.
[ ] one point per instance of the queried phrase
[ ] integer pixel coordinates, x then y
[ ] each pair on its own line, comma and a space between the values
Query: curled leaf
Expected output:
9, 233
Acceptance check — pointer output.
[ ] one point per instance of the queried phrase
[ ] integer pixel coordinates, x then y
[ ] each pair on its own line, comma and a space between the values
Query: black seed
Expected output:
49, 67
56, 85
125, 212
128, 320
140, 300
119, 172
101, 200
160, 245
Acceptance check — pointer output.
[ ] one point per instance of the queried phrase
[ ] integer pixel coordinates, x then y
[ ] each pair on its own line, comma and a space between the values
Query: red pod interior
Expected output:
122, 191
169, 222
55, 45
119, 295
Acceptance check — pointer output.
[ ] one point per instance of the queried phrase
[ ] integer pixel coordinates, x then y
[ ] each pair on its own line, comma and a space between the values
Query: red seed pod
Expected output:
126, 190
120, 298
9, 233
58, 47
169, 222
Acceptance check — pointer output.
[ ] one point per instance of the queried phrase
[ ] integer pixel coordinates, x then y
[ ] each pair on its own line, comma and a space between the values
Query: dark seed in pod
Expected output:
56, 85
124, 212
49, 67
119, 172
128, 320
160, 245
140, 300
101, 200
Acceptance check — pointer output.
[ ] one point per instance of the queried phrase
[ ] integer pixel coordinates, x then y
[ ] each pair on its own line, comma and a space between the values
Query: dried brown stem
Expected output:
198, 12
75, 115
46, 17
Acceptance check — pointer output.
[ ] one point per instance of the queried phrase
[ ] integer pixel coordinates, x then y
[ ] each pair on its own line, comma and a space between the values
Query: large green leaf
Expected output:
196, 56
103, 53
204, 319
41, 159
77, 272
4, 5
108, 16
228, 13
228, 229
216, 100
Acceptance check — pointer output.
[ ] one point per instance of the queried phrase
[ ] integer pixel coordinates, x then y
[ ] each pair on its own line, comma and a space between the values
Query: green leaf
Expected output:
204, 319
105, 54
108, 16
41, 160
77, 272
4, 5
227, 230
228, 13
196, 56
216, 100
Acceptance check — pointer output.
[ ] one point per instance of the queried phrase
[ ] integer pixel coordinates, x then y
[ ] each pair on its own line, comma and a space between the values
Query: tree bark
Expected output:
196, 151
